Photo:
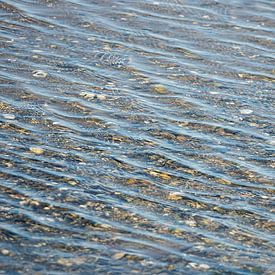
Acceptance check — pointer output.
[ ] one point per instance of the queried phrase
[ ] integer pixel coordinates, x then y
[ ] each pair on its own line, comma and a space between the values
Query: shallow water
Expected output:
136, 137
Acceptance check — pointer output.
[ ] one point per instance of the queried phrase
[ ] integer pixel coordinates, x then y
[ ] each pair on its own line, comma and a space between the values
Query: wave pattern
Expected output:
137, 136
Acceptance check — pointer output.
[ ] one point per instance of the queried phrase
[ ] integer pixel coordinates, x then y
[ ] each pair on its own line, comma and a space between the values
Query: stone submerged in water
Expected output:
160, 89
202, 267
37, 150
5, 252
9, 116
175, 196
39, 74
246, 111
118, 255
91, 96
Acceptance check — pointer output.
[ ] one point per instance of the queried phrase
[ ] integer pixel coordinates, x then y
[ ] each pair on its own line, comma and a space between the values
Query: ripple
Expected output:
137, 136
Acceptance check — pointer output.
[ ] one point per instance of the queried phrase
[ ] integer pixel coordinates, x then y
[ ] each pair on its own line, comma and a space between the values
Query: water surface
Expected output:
137, 137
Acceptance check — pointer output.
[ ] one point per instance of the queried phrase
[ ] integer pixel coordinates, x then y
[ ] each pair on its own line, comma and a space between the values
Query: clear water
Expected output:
137, 137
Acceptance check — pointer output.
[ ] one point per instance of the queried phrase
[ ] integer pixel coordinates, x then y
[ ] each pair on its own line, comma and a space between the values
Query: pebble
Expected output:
37, 51
204, 266
246, 111
71, 182
88, 95
39, 74
175, 196
101, 97
191, 223
37, 150
118, 255
159, 174
5, 252
159, 89
71, 261
92, 96
272, 142
199, 266
9, 116
64, 262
